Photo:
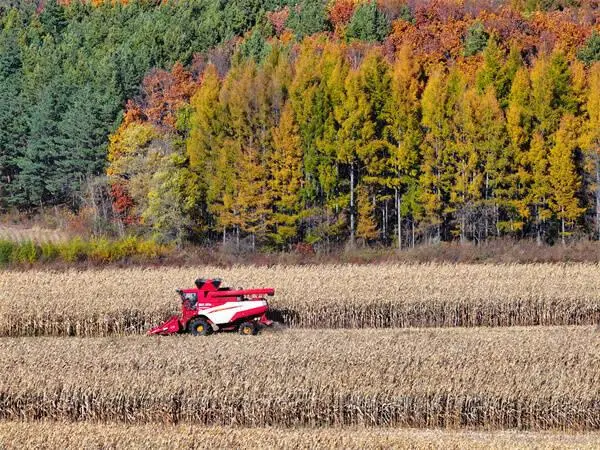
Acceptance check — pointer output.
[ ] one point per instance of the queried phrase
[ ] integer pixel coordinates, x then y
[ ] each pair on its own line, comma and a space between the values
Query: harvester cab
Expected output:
209, 307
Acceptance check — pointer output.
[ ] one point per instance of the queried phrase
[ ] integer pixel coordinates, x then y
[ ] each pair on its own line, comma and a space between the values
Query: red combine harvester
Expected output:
210, 307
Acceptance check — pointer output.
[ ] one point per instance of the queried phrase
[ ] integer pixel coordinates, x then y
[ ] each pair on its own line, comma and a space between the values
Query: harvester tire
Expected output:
248, 329
200, 327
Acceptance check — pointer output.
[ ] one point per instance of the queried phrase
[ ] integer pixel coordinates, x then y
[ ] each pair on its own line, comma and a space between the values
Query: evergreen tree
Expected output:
82, 135
206, 121
255, 46
476, 39
464, 161
590, 52
13, 127
223, 188
38, 182
368, 23
498, 165
308, 17
518, 114
317, 84
101, 49
53, 18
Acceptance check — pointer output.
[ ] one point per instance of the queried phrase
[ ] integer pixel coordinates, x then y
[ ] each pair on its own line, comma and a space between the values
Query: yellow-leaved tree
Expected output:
434, 150
285, 182
564, 176
518, 126
591, 136
366, 227
404, 130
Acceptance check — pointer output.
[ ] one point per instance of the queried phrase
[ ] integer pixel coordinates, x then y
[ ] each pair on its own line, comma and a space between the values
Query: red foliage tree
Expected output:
165, 92
278, 19
340, 14
122, 203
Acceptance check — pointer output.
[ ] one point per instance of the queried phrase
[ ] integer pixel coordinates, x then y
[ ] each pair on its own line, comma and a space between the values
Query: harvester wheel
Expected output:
248, 329
200, 327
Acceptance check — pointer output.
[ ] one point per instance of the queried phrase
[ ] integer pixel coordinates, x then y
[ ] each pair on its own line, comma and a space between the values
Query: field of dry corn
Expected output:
37, 435
128, 301
379, 356
524, 378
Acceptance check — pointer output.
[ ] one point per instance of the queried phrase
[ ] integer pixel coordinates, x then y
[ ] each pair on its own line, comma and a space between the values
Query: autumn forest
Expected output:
273, 123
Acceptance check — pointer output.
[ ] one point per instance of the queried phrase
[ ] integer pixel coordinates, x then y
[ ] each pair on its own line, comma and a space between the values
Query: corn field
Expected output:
379, 356
129, 301
18, 435
536, 378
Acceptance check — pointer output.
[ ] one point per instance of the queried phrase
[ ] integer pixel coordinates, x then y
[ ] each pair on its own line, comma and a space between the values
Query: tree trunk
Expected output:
399, 218
538, 238
352, 231
487, 186
598, 195
385, 219
562, 226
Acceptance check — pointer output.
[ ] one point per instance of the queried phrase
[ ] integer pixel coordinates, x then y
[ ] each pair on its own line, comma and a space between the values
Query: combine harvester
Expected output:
209, 308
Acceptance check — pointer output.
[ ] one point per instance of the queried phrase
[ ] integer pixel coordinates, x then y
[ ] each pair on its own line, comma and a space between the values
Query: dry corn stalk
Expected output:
536, 378
129, 301
18, 435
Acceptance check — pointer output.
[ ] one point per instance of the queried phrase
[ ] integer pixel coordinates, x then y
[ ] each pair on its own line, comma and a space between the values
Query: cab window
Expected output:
190, 300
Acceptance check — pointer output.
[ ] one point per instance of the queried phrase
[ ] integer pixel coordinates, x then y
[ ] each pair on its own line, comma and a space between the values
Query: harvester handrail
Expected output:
241, 292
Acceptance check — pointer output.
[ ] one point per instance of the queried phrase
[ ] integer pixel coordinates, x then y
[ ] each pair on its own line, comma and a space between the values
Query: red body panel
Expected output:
208, 295
171, 326
249, 314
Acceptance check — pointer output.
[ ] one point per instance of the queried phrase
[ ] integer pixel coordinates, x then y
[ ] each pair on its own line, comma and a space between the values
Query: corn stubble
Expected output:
40, 435
536, 378
128, 301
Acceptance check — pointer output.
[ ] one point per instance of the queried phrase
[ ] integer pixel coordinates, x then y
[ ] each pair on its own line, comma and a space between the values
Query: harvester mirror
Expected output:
200, 282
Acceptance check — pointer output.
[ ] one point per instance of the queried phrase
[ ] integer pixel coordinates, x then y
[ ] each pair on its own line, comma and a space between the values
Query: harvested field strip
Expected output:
18, 435
538, 378
128, 301
18, 234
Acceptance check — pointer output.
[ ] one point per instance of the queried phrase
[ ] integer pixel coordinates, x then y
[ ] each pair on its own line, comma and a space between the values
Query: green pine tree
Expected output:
368, 23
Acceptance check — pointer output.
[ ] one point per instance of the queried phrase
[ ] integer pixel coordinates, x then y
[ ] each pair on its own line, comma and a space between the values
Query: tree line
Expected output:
361, 122
327, 143
67, 69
